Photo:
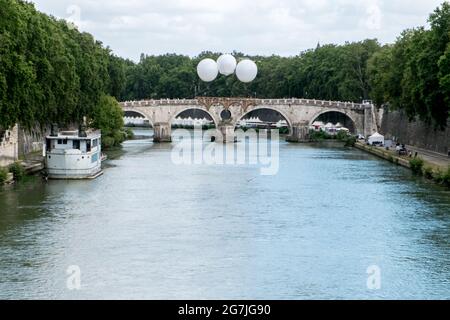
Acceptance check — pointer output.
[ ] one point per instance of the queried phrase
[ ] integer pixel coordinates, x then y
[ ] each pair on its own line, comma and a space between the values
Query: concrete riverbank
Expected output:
433, 166
434, 161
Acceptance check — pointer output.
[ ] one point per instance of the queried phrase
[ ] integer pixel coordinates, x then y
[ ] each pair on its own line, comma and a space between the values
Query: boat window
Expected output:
59, 141
65, 141
48, 144
88, 145
94, 143
76, 144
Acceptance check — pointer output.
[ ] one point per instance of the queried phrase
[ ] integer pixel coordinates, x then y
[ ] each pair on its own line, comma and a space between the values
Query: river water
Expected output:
150, 229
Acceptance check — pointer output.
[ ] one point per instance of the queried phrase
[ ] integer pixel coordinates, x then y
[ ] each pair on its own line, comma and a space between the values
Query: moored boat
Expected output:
73, 155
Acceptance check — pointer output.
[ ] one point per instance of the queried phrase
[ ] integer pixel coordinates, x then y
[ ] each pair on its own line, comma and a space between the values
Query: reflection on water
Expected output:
150, 229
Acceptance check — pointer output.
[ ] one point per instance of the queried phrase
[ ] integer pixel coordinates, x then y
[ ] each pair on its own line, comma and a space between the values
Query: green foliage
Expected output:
17, 170
3, 175
445, 178
342, 135
319, 135
108, 117
328, 72
442, 177
283, 130
129, 134
414, 74
108, 142
350, 141
50, 73
416, 165
427, 172
347, 138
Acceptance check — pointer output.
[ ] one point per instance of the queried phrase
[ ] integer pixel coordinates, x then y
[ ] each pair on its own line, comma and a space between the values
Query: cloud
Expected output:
266, 27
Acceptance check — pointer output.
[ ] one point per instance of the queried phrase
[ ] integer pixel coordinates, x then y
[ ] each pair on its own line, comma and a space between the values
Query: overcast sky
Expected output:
265, 27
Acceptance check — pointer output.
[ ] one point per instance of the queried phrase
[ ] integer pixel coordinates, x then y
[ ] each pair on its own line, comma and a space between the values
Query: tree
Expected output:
108, 117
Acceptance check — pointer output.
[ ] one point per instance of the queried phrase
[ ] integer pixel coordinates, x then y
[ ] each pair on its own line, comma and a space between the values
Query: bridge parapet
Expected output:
226, 102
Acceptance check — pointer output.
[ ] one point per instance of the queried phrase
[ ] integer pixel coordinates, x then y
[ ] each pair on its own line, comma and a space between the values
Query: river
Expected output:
150, 229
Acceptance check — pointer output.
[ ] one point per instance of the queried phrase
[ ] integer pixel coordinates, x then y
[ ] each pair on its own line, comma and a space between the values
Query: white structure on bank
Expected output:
255, 122
189, 122
73, 155
329, 128
136, 121
376, 139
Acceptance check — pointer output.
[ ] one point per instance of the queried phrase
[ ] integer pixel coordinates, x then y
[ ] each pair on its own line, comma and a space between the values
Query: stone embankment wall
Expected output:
395, 124
31, 140
9, 146
19, 142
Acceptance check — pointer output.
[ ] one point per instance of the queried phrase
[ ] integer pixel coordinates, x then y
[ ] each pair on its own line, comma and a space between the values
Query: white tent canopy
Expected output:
376, 138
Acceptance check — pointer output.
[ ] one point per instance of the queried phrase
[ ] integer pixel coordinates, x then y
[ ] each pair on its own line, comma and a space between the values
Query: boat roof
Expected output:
73, 135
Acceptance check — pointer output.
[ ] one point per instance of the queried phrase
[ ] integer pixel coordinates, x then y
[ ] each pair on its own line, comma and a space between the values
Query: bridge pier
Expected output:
300, 132
226, 134
162, 132
369, 121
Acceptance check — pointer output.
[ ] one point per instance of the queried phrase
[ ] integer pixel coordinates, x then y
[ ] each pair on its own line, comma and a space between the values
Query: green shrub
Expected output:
442, 178
284, 130
342, 135
350, 141
416, 165
17, 170
428, 172
319, 135
107, 142
438, 176
3, 175
391, 158
130, 134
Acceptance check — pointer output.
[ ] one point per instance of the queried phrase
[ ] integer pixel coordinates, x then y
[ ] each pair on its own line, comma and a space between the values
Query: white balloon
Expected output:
207, 70
227, 64
246, 71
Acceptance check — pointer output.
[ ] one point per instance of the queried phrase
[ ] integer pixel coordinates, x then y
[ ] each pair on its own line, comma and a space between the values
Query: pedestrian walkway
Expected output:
436, 158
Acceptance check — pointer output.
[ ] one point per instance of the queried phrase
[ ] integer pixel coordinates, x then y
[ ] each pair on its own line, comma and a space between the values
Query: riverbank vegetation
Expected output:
416, 165
108, 116
342, 136
419, 167
17, 170
3, 175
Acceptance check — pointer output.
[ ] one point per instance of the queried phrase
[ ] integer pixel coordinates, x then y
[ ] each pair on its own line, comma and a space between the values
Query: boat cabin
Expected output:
71, 155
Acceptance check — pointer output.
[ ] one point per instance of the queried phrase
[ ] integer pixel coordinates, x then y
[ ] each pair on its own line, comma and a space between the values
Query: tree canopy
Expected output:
414, 73
49, 71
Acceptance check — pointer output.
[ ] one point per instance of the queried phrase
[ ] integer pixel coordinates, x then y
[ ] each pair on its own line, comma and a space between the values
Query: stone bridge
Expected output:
226, 112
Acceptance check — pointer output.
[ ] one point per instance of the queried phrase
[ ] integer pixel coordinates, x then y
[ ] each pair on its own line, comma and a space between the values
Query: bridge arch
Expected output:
178, 112
142, 113
253, 108
348, 115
